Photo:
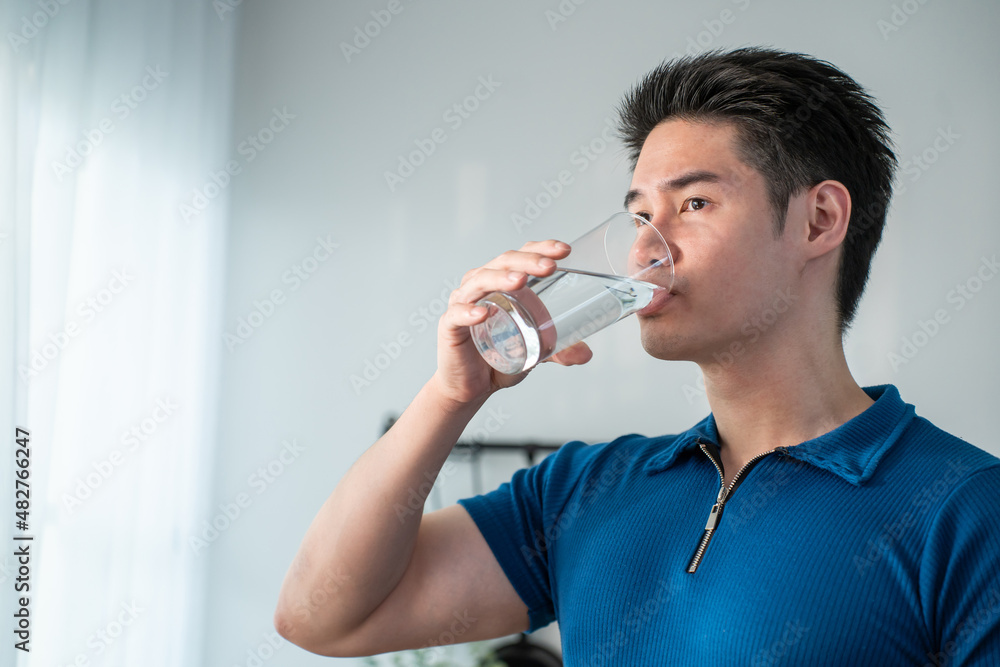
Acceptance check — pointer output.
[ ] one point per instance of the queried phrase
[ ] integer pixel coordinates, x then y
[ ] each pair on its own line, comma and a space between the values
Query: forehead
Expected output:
676, 147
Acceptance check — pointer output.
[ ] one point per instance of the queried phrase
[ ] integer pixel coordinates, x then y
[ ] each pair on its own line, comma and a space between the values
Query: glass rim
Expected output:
667, 260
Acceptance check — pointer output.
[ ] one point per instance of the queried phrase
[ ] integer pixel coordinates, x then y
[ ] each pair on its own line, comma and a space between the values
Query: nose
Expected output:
650, 256
648, 247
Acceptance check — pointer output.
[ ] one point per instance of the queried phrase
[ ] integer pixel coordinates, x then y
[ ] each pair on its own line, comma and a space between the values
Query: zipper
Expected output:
720, 502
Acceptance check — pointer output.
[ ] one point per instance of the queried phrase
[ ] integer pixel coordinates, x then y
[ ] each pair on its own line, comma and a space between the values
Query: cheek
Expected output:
722, 264
732, 275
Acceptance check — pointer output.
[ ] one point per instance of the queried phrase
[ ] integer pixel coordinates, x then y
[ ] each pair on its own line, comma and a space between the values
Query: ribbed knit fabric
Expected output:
875, 544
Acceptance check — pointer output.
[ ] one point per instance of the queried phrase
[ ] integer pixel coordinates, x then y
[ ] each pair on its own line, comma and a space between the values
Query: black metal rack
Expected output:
476, 448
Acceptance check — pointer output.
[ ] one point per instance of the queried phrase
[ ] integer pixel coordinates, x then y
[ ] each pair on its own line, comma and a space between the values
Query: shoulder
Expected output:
960, 574
928, 451
577, 466
954, 484
626, 451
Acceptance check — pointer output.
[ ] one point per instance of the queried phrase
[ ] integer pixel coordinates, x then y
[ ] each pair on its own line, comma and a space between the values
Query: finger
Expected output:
578, 353
530, 253
549, 247
477, 282
486, 281
456, 321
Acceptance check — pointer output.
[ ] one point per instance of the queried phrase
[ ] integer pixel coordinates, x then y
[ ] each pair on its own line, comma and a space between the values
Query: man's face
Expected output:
713, 211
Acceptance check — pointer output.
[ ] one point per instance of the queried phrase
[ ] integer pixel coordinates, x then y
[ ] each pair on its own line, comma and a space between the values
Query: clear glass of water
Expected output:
618, 268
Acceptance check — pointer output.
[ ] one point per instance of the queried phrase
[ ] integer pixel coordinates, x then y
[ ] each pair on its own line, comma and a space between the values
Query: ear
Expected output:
828, 210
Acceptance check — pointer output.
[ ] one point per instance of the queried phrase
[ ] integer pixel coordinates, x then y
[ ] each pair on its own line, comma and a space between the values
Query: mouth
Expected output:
659, 300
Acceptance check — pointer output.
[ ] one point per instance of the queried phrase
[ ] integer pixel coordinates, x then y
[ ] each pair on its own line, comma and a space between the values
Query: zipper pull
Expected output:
706, 537
713, 518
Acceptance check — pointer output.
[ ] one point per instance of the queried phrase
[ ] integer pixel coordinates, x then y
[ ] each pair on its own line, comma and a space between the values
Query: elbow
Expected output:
284, 626
309, 638
296, 632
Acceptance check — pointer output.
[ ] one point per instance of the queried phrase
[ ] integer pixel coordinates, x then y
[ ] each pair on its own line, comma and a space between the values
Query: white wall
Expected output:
323, 176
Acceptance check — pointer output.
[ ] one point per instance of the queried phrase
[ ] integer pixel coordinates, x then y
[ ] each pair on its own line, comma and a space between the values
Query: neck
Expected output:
778, 399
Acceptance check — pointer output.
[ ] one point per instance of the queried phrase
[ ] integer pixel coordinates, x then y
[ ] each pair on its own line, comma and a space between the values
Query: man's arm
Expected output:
372, 576
452, 591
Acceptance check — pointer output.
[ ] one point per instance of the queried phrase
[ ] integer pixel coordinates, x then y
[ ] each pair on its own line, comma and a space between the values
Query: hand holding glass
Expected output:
616, 269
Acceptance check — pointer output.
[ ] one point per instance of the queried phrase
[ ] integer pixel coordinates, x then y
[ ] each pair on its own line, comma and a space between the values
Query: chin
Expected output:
665, 346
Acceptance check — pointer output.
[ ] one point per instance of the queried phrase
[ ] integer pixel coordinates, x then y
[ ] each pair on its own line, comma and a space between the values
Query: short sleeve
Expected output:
513, 520
960, 580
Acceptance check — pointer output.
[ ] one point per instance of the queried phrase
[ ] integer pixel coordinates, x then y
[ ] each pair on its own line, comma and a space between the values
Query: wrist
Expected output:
444, 401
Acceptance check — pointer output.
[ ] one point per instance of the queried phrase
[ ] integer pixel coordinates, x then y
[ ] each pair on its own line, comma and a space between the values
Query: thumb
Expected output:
578, 353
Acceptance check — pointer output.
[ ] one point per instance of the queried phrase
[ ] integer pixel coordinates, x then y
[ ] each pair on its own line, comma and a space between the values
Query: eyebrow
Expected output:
682, 181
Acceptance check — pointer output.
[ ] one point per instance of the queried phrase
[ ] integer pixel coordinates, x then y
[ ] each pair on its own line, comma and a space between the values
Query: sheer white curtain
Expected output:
111, 114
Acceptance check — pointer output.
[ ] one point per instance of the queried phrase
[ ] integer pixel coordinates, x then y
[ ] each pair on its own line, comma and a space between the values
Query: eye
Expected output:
695, 204
645, 216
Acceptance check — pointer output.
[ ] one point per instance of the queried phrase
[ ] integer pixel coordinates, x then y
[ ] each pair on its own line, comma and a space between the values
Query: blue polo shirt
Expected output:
877, 543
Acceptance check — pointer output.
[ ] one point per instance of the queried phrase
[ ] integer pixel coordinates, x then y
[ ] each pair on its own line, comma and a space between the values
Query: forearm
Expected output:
361, 540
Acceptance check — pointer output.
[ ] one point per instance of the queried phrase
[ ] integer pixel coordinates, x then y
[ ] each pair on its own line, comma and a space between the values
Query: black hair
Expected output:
799, 120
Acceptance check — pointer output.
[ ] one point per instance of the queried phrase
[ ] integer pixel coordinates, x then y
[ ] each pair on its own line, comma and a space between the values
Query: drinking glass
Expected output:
620, 267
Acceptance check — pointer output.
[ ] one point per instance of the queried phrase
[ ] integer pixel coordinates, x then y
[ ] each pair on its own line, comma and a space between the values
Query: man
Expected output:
806, 521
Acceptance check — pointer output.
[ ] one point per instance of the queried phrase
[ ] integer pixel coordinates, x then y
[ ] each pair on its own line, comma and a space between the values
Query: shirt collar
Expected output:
850, 451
